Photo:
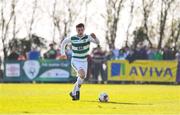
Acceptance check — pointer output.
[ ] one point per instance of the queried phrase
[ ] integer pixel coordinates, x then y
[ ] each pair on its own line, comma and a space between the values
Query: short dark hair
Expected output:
80, 25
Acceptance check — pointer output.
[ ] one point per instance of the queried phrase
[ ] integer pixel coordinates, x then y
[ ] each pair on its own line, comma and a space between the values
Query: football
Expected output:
103, 97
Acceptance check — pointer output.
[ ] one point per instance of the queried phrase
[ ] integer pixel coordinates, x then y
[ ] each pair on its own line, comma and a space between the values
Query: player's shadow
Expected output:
113, 102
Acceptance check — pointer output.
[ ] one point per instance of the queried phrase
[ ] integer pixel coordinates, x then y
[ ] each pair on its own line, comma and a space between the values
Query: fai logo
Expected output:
31, 68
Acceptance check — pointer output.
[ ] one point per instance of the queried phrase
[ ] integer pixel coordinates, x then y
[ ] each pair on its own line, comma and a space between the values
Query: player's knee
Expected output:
81, 73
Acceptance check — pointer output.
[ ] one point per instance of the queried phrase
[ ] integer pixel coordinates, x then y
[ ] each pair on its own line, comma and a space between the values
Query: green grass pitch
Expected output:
124, 99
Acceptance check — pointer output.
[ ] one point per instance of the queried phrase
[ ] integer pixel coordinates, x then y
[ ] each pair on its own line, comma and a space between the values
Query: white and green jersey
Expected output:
80, 46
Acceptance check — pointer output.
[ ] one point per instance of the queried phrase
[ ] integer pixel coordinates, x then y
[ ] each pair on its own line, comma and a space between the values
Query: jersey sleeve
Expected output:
63, 45
91, 39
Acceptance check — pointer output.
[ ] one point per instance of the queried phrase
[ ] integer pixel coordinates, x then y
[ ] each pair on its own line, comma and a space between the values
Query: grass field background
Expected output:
54, 99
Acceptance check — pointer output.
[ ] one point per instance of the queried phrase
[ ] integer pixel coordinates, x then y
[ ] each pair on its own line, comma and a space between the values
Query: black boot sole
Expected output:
74, 98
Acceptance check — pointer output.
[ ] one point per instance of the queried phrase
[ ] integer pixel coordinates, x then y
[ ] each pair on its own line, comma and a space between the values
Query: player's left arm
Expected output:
94, 39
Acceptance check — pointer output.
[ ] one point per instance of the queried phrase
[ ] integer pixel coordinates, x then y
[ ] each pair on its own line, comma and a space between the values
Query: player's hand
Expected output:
93, 35
63, 57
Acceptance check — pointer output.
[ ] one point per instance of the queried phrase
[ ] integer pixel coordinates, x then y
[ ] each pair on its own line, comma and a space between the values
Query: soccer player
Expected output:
80, 47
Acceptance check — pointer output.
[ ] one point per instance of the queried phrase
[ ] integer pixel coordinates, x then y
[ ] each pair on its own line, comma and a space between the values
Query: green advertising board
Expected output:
38, 70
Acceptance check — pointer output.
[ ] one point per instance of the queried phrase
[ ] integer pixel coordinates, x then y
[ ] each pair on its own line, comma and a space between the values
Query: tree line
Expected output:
159, 23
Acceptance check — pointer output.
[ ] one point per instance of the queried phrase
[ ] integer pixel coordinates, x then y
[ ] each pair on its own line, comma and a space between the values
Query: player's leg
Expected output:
82, 73
73, 93
81, 69
80, 79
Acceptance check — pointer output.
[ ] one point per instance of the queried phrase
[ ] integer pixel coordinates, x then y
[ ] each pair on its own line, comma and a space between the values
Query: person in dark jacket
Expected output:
98, 59
51, 53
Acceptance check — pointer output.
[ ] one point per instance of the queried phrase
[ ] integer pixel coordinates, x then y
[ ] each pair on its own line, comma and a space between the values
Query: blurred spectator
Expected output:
178, 56
13, 55
168, 54
98, 59
33, 54
158, 55
58, 53
141, 53
122, 54
22, 56
108, 55
115, 53
151, 52
131, 56
51, 53
45, 56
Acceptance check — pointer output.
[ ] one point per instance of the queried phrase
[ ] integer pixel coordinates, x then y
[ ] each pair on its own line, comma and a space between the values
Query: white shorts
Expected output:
78, 64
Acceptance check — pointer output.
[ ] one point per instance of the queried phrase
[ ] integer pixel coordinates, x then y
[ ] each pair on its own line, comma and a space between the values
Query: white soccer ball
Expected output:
103, 97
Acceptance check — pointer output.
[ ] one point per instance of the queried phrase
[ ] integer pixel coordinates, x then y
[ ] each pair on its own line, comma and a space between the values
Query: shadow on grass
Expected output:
113, 102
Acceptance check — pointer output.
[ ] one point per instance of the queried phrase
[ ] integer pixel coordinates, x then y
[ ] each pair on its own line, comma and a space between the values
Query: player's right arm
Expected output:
63, 45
